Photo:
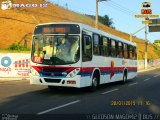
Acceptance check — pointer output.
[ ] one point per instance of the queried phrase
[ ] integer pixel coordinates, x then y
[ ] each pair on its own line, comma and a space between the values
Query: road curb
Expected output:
13, 79
139, 71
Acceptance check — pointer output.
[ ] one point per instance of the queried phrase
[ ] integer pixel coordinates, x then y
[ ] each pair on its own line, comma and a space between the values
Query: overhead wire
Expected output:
124, 10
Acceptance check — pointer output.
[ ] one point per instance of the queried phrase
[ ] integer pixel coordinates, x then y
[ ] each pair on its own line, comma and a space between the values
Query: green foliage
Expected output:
17, 47
106, 20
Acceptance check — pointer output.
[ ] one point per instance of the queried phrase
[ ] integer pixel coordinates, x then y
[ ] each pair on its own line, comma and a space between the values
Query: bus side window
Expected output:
121, 51
134, 53
128, 51
125, 51
131, 52
113, 48
117, 50
86, 48
105, 46
96, 42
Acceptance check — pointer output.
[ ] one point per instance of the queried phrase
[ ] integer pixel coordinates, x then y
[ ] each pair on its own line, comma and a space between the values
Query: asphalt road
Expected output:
138, 98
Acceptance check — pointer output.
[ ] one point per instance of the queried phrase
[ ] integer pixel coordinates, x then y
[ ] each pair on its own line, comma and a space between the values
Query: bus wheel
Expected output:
94, 85
124, 77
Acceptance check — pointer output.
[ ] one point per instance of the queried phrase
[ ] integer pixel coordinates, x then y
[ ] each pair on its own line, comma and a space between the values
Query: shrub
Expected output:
17, 47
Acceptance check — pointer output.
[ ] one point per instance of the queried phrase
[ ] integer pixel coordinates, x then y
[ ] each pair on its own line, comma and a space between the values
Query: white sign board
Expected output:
14, 65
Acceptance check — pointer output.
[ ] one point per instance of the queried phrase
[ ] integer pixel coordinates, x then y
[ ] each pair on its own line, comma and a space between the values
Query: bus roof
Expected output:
94, 30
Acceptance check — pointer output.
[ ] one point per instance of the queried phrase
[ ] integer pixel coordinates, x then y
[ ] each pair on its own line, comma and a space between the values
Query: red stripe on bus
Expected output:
83, 69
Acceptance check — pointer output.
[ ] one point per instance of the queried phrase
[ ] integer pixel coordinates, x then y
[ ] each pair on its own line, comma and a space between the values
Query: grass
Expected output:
14, 51
16, 23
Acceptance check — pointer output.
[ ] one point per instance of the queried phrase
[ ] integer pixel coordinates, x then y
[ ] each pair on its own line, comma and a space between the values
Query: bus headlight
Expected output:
34, 72
73, 73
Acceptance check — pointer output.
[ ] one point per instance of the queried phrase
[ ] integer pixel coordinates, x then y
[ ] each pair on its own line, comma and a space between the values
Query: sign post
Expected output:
96, 21
146, 13
146, 44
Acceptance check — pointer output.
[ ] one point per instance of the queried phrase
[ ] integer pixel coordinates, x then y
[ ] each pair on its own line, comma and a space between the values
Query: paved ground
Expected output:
137, 99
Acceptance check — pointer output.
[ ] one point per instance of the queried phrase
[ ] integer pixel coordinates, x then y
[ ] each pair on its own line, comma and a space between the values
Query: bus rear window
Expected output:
57, 29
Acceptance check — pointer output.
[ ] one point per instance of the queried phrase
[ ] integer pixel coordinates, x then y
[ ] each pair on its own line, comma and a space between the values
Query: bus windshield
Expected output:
56, 49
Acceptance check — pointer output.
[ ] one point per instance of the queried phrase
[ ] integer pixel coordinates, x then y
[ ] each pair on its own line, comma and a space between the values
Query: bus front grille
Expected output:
52, 80
48, 74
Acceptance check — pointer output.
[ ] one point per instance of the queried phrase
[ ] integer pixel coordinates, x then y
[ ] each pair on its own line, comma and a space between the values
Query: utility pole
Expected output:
96, 22
146, 43
58, 2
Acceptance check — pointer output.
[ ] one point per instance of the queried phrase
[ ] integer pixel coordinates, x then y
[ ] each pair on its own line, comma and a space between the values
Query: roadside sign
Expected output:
154, 28
155, 21
146, 15
155, 25
146, 22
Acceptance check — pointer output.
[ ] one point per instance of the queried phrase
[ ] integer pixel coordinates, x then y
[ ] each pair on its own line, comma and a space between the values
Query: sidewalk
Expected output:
12, 79
145, 70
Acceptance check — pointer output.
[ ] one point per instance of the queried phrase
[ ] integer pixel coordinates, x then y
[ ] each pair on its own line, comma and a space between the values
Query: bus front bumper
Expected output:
50, 81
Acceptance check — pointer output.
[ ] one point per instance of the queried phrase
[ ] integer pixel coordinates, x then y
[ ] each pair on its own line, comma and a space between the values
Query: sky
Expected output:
121, 11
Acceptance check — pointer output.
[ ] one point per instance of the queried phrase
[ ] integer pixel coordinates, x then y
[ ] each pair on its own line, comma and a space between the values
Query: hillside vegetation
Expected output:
17, 24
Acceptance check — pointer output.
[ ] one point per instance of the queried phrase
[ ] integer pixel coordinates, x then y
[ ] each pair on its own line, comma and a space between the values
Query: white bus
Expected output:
76, 55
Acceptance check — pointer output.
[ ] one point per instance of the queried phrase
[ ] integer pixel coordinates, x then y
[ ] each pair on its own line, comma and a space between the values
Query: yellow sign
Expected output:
154, 15
146, 21
146, 16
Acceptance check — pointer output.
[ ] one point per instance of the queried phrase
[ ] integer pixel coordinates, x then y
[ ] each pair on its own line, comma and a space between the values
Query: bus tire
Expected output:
95, 83
124, 76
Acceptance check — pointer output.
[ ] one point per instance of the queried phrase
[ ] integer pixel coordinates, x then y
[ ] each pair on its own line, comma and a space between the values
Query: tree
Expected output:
106, 20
